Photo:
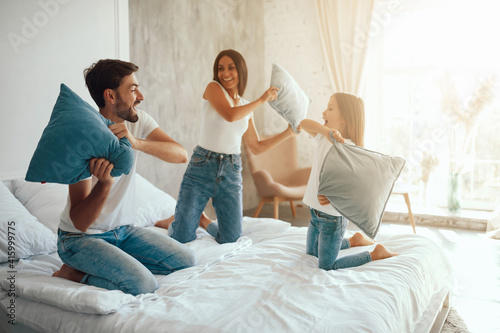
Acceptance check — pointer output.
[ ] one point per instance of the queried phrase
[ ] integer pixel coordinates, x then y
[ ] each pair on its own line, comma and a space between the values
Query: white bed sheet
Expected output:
263, 283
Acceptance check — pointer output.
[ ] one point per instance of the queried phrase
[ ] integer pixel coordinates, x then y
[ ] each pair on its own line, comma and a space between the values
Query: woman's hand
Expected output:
270, 94
323, 201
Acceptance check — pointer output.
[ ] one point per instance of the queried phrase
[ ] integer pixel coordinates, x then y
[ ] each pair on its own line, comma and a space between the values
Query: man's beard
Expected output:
126, 113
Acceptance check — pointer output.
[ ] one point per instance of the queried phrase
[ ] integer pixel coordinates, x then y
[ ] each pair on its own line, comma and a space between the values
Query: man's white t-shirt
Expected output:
119, 208
311, 195
219, 135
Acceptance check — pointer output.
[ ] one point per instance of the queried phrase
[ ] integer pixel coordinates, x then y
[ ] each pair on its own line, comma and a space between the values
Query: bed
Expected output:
265, 282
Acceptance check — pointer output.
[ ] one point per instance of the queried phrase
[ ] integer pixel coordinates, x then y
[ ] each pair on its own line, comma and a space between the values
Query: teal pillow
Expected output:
291, 102
358, 183
76, 132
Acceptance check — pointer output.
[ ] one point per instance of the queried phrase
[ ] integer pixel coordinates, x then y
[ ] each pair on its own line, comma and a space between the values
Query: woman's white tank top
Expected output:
219, 135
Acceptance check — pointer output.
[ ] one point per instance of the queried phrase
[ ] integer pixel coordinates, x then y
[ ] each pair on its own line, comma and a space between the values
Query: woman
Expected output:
215, 167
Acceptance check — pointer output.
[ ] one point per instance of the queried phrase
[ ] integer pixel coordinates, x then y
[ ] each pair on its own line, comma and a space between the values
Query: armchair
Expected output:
277, 176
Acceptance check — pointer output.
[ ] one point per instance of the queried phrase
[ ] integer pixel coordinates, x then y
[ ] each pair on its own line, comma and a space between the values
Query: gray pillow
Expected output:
358, 183
292, 102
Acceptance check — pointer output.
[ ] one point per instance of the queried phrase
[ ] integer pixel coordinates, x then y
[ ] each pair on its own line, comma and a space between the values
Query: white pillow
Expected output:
47, 201
21, 235
291, 102
152, 204
44, 201
8, 183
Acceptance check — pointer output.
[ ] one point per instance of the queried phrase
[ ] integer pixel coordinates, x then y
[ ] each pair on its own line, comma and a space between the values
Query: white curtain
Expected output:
344, 27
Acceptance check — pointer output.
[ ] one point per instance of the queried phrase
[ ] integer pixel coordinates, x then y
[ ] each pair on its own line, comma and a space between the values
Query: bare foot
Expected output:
69, 273
165, 223
204, 221
380, 252
358, 239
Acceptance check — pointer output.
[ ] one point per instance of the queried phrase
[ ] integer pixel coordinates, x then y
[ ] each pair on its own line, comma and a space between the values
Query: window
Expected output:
422, 44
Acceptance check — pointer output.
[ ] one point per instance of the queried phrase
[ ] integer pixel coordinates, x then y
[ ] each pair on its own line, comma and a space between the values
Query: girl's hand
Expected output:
323, 201
270, 94
335, 135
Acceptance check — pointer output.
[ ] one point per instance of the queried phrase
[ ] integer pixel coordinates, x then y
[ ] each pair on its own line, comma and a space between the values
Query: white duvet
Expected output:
265, 282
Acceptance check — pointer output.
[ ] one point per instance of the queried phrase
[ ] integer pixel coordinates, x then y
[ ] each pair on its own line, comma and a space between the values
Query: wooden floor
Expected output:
474, 256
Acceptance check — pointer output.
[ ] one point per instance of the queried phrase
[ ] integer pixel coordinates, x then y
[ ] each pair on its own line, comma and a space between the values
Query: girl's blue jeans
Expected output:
325, 239
124, 258
210, 175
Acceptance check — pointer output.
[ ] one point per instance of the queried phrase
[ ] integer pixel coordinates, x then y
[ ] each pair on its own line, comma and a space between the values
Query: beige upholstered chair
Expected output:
277, 176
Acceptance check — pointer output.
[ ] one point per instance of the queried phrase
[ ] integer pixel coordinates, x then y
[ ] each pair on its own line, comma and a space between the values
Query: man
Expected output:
97, 240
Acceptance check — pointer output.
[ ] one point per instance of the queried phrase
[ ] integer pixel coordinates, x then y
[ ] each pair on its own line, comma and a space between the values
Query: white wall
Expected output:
45, 43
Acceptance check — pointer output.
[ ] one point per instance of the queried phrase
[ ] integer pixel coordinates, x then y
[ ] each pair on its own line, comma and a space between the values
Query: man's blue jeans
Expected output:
124, 258
210, 175
325, 239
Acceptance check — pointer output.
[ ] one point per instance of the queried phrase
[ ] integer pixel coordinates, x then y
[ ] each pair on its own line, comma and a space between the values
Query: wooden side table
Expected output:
404, 190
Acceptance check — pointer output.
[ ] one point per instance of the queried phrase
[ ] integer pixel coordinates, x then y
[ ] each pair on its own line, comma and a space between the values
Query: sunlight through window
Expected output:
428, 55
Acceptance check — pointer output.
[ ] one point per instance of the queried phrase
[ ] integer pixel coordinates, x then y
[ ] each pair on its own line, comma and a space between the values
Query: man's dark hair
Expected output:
106, 74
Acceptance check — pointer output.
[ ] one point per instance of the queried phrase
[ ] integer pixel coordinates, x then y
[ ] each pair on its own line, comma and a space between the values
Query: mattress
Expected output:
265, 282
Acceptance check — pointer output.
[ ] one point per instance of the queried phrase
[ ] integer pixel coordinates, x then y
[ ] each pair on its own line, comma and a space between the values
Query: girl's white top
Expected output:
119, 208
219, 135
311, 195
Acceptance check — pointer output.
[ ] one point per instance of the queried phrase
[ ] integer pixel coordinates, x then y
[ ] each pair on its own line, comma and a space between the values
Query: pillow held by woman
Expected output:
291, 102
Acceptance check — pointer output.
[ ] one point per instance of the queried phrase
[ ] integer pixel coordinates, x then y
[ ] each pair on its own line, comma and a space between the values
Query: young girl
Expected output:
344, 121
215, 167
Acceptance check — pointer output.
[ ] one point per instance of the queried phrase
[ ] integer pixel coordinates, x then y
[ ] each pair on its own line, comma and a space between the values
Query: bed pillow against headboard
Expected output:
152, 204
76, 132
46, 202
358, 183
291, 102
43, 201
21, 235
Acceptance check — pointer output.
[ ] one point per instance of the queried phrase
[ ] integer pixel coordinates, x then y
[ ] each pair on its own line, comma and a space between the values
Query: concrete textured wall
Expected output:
175, 43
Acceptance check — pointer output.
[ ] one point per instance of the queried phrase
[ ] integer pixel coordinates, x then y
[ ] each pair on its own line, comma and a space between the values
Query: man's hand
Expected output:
101, 169
87, 201
323, 201
121, 131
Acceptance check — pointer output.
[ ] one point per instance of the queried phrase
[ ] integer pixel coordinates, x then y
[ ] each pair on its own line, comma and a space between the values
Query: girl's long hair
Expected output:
352, 109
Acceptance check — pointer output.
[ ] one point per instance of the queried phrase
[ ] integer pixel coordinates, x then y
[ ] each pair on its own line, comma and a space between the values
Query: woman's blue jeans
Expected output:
124, 258
325, 239
210, 175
